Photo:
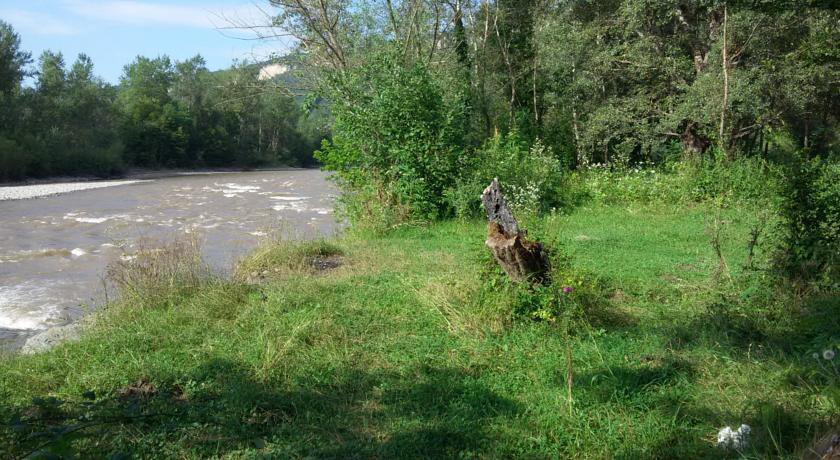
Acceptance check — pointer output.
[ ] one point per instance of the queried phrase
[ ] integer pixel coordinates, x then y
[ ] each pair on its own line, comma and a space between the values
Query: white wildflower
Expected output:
734, 439
828, 354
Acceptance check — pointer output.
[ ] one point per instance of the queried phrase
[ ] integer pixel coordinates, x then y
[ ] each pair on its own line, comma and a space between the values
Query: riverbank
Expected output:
409, 345
55, 251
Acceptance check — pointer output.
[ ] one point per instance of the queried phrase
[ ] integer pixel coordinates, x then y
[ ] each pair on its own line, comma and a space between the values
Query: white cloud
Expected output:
28, 22
147, 13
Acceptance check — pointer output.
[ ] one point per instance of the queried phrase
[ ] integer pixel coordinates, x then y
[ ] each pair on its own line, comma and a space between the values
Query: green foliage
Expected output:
751, 180
155, 127
280, 257
531, 178
628, 78
66, 125
568, 297
373, 207
396, 134
811, 212
12, 160
13, 61
614, 186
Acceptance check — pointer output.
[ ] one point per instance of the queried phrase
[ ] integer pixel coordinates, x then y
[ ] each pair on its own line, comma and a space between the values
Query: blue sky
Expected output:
114, 32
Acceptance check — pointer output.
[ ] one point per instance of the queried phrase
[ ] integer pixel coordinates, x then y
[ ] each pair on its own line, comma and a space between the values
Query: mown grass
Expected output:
409, 348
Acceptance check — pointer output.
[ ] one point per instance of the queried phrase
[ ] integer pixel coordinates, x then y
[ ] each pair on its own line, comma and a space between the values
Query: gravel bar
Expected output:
22, 192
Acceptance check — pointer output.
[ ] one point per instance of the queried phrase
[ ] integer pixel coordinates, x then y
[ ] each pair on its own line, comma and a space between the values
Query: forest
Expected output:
426, 95
161, 114
674, 165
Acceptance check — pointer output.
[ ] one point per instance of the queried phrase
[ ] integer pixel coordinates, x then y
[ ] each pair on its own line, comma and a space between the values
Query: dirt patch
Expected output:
828, 447
619, 296
325, 263
314, 264
141, 388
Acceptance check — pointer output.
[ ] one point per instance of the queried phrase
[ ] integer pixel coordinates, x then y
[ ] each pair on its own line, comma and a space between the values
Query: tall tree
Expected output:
155, 127
13, 60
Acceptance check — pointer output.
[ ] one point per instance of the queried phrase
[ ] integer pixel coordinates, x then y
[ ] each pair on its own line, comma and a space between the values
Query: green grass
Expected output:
409, 348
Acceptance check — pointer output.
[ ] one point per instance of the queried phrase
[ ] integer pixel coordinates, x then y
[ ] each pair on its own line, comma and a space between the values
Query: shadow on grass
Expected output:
786, 336
627, 383
220, 409
740, 329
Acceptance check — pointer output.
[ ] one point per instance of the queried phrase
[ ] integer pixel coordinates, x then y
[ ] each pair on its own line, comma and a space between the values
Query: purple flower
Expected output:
567, 290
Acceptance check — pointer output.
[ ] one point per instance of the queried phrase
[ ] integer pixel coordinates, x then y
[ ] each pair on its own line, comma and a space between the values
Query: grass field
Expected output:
406, 346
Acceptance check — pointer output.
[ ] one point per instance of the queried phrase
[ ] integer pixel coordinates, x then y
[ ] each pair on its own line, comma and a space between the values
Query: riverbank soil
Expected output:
410, 346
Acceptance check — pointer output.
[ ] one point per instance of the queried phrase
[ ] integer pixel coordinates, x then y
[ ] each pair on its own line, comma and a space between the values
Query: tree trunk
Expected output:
725, 65
521, 259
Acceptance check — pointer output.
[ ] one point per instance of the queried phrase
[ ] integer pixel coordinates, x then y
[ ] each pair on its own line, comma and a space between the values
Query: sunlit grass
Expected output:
409, 348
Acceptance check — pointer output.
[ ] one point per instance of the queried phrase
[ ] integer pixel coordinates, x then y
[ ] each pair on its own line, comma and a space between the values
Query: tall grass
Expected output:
278, 257
159, 271
688, 181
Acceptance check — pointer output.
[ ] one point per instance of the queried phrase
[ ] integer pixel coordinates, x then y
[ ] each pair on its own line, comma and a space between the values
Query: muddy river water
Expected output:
54, 250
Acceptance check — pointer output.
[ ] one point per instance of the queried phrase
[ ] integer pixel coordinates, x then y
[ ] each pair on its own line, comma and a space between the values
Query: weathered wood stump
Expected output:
521, 259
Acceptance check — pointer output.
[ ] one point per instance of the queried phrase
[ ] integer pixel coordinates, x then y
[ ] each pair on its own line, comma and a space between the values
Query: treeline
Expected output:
422, 91
162, 114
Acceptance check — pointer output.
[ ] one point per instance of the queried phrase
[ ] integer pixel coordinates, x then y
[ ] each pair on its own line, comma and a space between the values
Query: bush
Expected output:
811, 212
396, 136
626, 185
531, 177
690, 180
373, 206
747, 179
100, 162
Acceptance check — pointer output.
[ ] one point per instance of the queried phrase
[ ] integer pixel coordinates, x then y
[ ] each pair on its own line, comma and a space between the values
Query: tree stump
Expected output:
521, 259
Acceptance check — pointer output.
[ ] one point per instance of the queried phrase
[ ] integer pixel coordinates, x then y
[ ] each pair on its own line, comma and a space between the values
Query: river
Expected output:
54, 250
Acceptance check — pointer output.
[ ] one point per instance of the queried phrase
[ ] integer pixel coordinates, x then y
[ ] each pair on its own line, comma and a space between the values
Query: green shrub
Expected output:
397, 136
98, 161
569, 295
625, 185
531, 177
373, 207
747, 179
689, 180
811, 212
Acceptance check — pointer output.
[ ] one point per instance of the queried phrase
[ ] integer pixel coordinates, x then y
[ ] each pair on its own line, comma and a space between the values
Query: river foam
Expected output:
13, 317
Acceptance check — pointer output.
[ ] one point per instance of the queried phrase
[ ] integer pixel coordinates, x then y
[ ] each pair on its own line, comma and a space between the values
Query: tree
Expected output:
13, 68
155, 127
190, 88
13, 60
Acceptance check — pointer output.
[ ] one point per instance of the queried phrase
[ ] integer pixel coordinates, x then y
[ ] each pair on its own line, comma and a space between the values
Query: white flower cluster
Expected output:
525, 198
734, 439
827, 354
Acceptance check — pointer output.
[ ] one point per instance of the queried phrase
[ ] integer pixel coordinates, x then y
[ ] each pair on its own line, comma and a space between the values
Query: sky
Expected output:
114, 32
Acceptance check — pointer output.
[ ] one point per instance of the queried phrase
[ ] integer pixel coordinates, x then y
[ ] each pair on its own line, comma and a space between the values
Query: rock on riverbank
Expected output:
51, 337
